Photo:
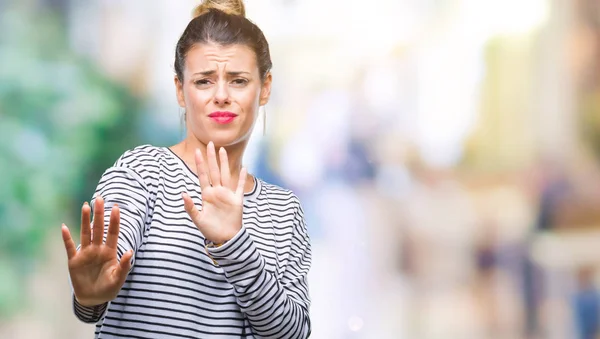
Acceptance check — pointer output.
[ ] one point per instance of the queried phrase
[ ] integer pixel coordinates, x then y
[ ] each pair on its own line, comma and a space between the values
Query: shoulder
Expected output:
141, 157
142, 163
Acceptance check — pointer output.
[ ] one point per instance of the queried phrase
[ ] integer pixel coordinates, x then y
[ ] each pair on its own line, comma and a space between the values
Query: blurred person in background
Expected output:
185, 243
586, 304
486, 258
553, 188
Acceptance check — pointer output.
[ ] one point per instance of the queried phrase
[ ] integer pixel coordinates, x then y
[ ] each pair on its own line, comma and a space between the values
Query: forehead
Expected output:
202, 57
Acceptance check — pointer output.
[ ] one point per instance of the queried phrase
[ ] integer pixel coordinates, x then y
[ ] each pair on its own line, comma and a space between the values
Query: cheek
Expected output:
195, 98
249, 100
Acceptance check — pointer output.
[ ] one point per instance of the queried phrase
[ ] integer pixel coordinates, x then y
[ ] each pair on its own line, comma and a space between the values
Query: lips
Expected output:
222, 117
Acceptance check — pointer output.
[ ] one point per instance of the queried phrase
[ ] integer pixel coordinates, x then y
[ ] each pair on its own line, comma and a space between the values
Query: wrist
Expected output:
88, 303
214, 244
210, 244
219, 241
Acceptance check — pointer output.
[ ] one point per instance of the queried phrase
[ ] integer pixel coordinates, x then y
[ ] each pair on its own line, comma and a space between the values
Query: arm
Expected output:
275, 308
124, 187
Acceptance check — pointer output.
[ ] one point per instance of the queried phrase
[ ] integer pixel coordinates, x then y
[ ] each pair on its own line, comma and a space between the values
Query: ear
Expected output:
265, 91
179, 91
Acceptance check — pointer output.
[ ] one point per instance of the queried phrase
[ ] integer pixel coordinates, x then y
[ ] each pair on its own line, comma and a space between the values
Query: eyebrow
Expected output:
212, 72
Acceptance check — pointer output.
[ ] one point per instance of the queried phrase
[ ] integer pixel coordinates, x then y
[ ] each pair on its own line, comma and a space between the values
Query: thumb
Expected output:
190, 207
124, 266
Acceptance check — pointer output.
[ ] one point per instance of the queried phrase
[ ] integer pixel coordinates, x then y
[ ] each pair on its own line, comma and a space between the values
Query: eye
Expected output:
240, 82
202, 82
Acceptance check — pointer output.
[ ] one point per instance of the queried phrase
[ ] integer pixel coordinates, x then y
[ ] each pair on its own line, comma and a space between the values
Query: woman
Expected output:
210, 253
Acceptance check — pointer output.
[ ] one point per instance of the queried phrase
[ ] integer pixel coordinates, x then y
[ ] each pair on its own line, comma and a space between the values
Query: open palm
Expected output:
95, 271
221, 215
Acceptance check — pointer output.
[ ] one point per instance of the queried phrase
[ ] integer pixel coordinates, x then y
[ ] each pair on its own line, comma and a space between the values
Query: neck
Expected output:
187, 148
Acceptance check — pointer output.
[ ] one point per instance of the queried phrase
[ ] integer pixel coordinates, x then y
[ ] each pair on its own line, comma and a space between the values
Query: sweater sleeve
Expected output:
123, 186
276, 308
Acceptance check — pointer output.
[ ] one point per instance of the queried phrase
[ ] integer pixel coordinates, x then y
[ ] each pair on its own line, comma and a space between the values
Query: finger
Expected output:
98, 229
124, 266
85, 237
190, 207
225, 174
202, 170
69, 243
241, 183
213, 167
113, 228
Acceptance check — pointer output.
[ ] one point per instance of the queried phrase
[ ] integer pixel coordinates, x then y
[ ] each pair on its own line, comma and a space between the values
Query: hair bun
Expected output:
233, 7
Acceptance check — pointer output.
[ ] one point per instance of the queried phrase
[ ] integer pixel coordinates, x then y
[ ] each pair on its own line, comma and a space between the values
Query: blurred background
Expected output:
446, 153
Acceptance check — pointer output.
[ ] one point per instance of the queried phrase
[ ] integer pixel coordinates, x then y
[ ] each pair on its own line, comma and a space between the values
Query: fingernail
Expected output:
86, 203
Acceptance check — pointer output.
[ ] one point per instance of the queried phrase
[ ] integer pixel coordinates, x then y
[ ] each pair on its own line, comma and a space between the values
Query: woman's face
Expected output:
221, 92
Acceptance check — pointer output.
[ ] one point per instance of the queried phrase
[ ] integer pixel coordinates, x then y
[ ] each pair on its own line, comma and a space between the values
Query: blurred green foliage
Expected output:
62, 123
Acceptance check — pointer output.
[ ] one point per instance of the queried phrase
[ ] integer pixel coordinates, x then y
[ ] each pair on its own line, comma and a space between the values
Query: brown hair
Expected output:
222, 22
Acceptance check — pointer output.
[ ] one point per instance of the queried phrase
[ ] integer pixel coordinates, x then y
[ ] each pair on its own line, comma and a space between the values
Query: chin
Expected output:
227, 138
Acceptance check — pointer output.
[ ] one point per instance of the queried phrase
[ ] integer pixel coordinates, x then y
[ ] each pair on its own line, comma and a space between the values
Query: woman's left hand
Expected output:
221, 216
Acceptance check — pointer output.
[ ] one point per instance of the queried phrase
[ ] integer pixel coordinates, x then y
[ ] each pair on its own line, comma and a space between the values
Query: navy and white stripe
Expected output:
174, 290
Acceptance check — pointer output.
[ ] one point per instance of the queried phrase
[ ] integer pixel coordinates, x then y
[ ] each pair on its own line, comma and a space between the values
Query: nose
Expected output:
221, 96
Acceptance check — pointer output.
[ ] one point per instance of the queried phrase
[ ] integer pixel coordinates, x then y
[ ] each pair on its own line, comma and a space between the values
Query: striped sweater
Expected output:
257, 289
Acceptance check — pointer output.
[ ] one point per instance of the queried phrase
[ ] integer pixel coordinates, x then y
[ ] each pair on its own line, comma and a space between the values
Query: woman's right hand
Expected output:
96, 273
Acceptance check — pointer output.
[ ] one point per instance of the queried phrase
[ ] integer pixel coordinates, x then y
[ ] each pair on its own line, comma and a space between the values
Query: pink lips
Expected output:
222, 117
